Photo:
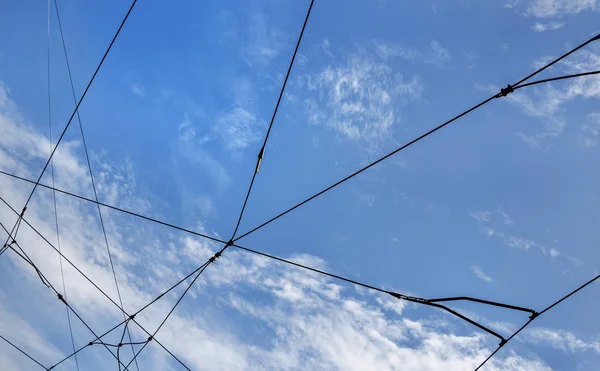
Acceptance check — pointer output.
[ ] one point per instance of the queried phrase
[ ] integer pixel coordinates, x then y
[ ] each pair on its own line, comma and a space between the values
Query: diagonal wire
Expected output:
62, 273
262, 149
137, 215
71, 117
88, 279
48, 284
534, 317
89, 165
505, 91
22, 351
200, 270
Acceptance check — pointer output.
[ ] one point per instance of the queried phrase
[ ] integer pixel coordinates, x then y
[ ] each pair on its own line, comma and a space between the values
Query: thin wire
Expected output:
62, 274
137, 215
423, 136
48, 284
22, 351
73, 114
87, 157
262, 150
89, 280
534, 317
400, 296
200, 271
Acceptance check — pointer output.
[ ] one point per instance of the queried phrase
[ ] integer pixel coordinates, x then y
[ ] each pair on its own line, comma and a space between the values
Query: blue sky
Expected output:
502, 204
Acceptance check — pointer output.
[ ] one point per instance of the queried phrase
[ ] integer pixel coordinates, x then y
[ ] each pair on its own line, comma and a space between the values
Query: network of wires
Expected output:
126, 342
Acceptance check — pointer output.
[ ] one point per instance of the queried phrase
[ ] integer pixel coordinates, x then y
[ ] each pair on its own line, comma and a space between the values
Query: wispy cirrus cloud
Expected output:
547, 101
552, 8
360, 97
479, 273
310, 321
549, 26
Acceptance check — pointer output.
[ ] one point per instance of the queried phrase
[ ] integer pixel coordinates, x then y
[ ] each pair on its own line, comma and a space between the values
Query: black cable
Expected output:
509, 89
89, 280
62, 274
74, 111
200, 271
404, 297
116, 208
262, 149
557, 78
25, 353
87, 157
536, 316
48, 284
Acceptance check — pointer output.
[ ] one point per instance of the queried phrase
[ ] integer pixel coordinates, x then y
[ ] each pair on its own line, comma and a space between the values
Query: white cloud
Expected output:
541, 27
551, 8
479, 273
560, 339
547, 102
359, 98
482, 216
263, 41
307, 321
438, 55
239, 128
507, 220
589, 132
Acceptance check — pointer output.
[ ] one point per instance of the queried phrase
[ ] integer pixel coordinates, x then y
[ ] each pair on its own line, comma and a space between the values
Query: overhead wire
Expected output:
48, 284
89, 165
88, 279
62, 273
264, 146
256, 170
71, 118
23, 352
538, 315
503, 92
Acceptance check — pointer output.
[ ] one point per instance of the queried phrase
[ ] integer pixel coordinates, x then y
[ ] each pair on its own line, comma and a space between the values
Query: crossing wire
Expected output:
48, 284
503, 92
62, 273
88, 279
71, 119
533, 318
89, 165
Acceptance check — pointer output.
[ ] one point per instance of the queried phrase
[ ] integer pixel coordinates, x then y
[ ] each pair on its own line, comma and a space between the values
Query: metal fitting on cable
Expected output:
506, 91
259, 161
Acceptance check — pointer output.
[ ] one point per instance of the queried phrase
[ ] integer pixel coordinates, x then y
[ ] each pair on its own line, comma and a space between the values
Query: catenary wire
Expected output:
72, 115
503, 92
48, 284
23, 352
137, 215
263, 148
62, 273
88, 279
533, 318
89, 165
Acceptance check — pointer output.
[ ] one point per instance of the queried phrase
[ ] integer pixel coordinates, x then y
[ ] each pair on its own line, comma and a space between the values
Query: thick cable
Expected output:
540, 313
